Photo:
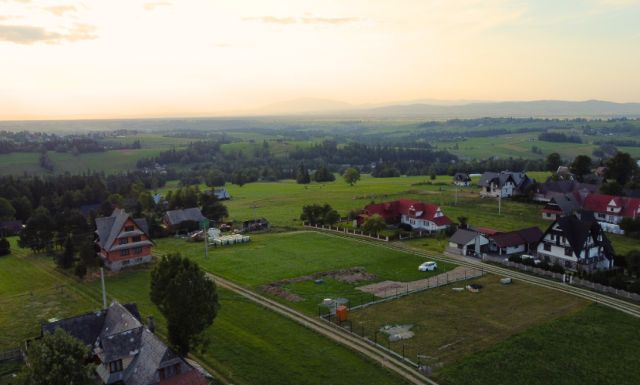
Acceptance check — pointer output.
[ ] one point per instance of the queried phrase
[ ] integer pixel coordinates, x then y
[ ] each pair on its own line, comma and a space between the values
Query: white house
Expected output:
419, 215
505, 184
461, 179
577, 244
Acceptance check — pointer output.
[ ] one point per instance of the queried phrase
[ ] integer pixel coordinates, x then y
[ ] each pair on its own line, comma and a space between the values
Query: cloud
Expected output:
26, 34
60, 10
306, 19
155, 4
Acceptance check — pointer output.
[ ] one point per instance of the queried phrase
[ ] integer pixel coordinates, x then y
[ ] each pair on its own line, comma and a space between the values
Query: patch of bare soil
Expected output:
351, 275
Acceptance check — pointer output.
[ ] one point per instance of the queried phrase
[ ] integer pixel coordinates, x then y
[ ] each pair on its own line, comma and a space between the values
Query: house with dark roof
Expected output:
504, 184
175, 220
468, 242
125, 351
515, 242
419, 215
123, 240
8, 228
578, 243
551, 188
461, 179
561, 205
221, 193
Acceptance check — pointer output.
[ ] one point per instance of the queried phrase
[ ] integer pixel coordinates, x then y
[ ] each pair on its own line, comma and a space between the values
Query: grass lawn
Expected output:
595, 346
249, 344
450, 325
272, 257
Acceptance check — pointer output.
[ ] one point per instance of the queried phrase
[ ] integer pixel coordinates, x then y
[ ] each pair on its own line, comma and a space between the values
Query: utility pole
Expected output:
500, 203
205, 229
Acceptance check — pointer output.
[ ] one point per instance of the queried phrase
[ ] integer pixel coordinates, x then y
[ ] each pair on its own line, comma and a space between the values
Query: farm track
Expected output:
335, 334
603, 299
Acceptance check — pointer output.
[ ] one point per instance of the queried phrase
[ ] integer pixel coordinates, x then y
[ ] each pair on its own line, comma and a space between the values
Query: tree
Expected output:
38, 232
632, 260
212, 208
65, 259
88, 254
5, 246
80, 270
319, 215
186, 297
215, 178
374, 224
23, 208
238, 178
302, 176
7, 211
612, 188
57, 359
351, 176
433, 176
322, 174
621, 168
553, 162
462, 220
581, 166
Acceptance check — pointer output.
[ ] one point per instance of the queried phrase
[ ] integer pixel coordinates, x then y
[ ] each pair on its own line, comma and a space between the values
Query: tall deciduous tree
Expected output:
302, 176
319, 214
65, 259
581, 166
187, 298
621, 168
6, 209
38, 232
351, 176
553, 162
57, 359
374, 224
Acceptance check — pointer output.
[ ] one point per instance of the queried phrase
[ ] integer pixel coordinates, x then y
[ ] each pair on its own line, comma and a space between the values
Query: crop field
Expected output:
242, 335
274, 257
593, 346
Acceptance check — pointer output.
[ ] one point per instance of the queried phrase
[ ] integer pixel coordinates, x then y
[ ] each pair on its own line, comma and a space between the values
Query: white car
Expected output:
428, 266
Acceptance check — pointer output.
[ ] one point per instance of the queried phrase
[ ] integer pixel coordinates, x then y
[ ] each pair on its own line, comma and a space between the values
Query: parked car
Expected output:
428, 266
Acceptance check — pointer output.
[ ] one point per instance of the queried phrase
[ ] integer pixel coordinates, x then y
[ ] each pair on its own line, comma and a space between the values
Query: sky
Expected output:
128, 58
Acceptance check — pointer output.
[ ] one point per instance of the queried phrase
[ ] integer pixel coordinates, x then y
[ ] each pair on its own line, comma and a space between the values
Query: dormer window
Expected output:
115, 366
128, 228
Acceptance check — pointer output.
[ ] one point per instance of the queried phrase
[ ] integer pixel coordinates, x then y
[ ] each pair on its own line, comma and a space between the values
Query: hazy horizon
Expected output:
160, 59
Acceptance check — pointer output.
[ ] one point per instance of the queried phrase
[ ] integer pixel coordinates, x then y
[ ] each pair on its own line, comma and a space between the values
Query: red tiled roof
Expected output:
391, 211
599, 203
486, 230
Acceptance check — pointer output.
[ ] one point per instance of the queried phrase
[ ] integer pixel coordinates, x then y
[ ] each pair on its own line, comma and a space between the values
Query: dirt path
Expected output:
387, 289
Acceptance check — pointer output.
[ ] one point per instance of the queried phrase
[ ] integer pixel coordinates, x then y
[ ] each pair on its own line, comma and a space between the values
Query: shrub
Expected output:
5, 246
557, 268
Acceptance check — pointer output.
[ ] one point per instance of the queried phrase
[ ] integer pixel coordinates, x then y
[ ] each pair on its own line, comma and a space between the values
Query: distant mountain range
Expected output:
454, 109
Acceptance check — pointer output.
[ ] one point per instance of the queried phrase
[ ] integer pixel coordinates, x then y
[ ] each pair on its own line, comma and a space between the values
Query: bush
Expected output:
635, 287
557, 268
618, 282
515, 259
80, 270
5, 246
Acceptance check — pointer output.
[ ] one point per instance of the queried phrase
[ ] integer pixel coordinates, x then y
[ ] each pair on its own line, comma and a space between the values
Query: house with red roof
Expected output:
419, 215
610, 208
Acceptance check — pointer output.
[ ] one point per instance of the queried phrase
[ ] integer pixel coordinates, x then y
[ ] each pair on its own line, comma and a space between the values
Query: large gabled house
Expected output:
610, 208
551, 188
504, 184
419, 215
578, 243
561, 205
125, 351
123, 240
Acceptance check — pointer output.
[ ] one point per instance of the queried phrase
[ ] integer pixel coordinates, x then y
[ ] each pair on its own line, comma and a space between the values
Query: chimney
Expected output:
151, 324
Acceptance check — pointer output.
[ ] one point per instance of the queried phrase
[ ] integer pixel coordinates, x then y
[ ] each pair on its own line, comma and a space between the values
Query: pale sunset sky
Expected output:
129, 58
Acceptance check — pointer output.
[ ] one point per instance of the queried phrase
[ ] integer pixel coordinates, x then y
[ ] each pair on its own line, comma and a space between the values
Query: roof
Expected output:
518, 237
461, 177
599, 203
519, 179
109, 227
175, 217
117, 333
566, 203
462, 236
577, 230
392, 211
11, 226
486, 230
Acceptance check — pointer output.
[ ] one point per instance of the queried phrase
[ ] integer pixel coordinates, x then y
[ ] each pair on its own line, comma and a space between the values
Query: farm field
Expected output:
242, 334
450, 325
274, 257
593, 346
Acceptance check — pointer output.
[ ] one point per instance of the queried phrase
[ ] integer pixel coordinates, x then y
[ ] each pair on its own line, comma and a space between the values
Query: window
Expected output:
137, 250
115, 366
137, 238
553, 237
547, 247
124, 241
128, 228
124, 252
